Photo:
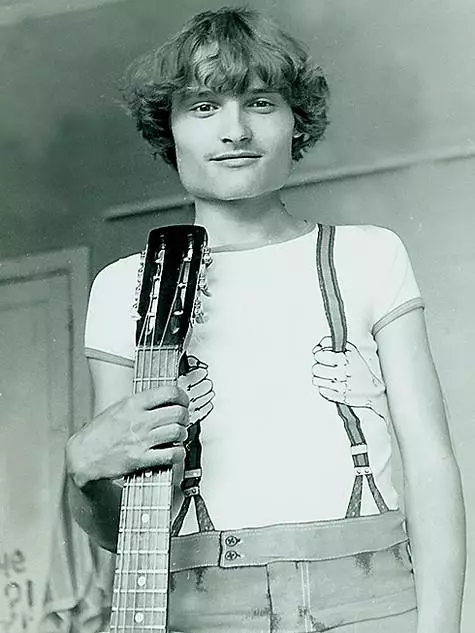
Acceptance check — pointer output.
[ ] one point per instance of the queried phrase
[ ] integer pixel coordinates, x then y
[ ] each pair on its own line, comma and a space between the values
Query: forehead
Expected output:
191, 93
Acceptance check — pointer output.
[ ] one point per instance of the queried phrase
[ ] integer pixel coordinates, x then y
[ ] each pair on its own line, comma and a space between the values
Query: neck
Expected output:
248, 222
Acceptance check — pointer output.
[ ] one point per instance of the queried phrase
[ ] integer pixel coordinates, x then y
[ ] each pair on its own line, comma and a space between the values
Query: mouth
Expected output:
235, 155
237, 159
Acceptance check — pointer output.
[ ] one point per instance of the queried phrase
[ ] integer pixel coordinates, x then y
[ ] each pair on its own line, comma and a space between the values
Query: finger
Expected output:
161, 397
326, 341
201, 412
169, 434
335, 374
204, 390
331, 359
324, 382
200, 405
194, 363
332, 395
189, 381
172, 414
162, 457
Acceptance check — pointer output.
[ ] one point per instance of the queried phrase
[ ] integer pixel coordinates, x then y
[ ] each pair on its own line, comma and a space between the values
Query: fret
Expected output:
145, 508
163, 484
155, 552
145, 591
148, 380
148, 572
133, 628
164, 349
142, 609
143, 530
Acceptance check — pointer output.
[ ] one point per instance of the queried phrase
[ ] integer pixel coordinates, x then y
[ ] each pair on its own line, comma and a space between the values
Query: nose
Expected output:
234, 125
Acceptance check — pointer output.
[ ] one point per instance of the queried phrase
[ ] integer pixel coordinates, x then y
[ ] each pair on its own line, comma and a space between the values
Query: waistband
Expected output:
312, 541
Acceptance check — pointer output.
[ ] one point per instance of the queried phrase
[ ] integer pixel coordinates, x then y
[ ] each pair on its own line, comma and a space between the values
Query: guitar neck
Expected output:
140, 598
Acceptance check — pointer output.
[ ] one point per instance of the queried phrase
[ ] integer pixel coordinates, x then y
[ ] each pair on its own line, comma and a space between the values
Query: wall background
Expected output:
403, 88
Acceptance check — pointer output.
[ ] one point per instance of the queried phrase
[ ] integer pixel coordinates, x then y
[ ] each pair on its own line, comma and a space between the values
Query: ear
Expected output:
303, 135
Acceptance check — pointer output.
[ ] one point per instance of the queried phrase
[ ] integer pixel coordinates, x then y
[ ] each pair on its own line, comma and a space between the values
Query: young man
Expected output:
312, 336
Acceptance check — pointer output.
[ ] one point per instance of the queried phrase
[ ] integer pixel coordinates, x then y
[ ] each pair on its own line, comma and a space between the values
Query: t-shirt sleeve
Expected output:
396, 291
110, 327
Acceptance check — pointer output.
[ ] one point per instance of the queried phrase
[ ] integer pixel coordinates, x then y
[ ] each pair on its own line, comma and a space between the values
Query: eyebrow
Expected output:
203, 93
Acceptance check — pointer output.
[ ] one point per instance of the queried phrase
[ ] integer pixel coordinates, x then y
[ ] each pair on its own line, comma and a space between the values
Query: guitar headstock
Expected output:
172, 268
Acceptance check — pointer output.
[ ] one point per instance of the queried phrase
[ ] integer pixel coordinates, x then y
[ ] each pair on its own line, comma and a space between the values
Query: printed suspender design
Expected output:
335, 313
192, 476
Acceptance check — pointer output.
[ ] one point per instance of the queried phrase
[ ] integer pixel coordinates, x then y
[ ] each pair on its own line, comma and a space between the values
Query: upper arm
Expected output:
109, 336
413, 389
111, 382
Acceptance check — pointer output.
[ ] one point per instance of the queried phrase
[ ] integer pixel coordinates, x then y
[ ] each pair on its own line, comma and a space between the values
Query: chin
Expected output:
238, 191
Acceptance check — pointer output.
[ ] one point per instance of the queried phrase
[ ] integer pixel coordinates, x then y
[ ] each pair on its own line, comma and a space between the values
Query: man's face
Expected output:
231, 147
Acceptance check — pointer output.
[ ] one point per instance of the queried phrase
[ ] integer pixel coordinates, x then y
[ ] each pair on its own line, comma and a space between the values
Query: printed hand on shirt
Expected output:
199, 387
346, 377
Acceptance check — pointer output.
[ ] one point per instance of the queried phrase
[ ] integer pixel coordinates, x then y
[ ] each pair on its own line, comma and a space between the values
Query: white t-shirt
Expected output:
274, 449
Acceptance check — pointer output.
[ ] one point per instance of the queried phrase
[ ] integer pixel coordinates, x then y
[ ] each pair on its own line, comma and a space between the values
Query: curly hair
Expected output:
224, 51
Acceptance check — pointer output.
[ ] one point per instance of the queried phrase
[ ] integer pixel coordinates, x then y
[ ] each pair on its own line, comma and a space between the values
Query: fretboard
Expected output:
140, 598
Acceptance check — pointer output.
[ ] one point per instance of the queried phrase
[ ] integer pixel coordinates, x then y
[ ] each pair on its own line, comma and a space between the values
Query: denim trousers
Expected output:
346, 575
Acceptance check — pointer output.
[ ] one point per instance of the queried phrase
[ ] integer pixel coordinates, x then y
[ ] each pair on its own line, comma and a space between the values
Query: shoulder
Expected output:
368, 235
113, 288
109, 326
369, 245
119, 272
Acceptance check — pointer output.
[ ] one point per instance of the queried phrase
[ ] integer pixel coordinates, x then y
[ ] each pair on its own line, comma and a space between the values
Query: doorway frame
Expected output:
74, 264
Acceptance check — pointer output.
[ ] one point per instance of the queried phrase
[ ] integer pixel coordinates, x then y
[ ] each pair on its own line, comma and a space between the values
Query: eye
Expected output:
262, 105
204, 108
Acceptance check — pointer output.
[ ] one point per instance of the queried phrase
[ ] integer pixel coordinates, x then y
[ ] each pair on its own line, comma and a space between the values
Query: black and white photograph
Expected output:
237, 286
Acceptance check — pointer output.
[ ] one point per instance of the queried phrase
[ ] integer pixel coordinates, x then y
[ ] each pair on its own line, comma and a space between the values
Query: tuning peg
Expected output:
198, 312
207, 257
203, 284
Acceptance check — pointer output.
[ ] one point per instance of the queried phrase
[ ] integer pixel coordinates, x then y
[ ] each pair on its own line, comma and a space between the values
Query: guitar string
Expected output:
133, 578
139, 592
157, 475
156, 515
140, 527
126, 549
161, 581
138, 387
119, 577
137, 515
124, 562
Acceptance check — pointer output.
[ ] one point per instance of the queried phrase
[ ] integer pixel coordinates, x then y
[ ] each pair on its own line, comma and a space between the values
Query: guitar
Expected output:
167, 303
